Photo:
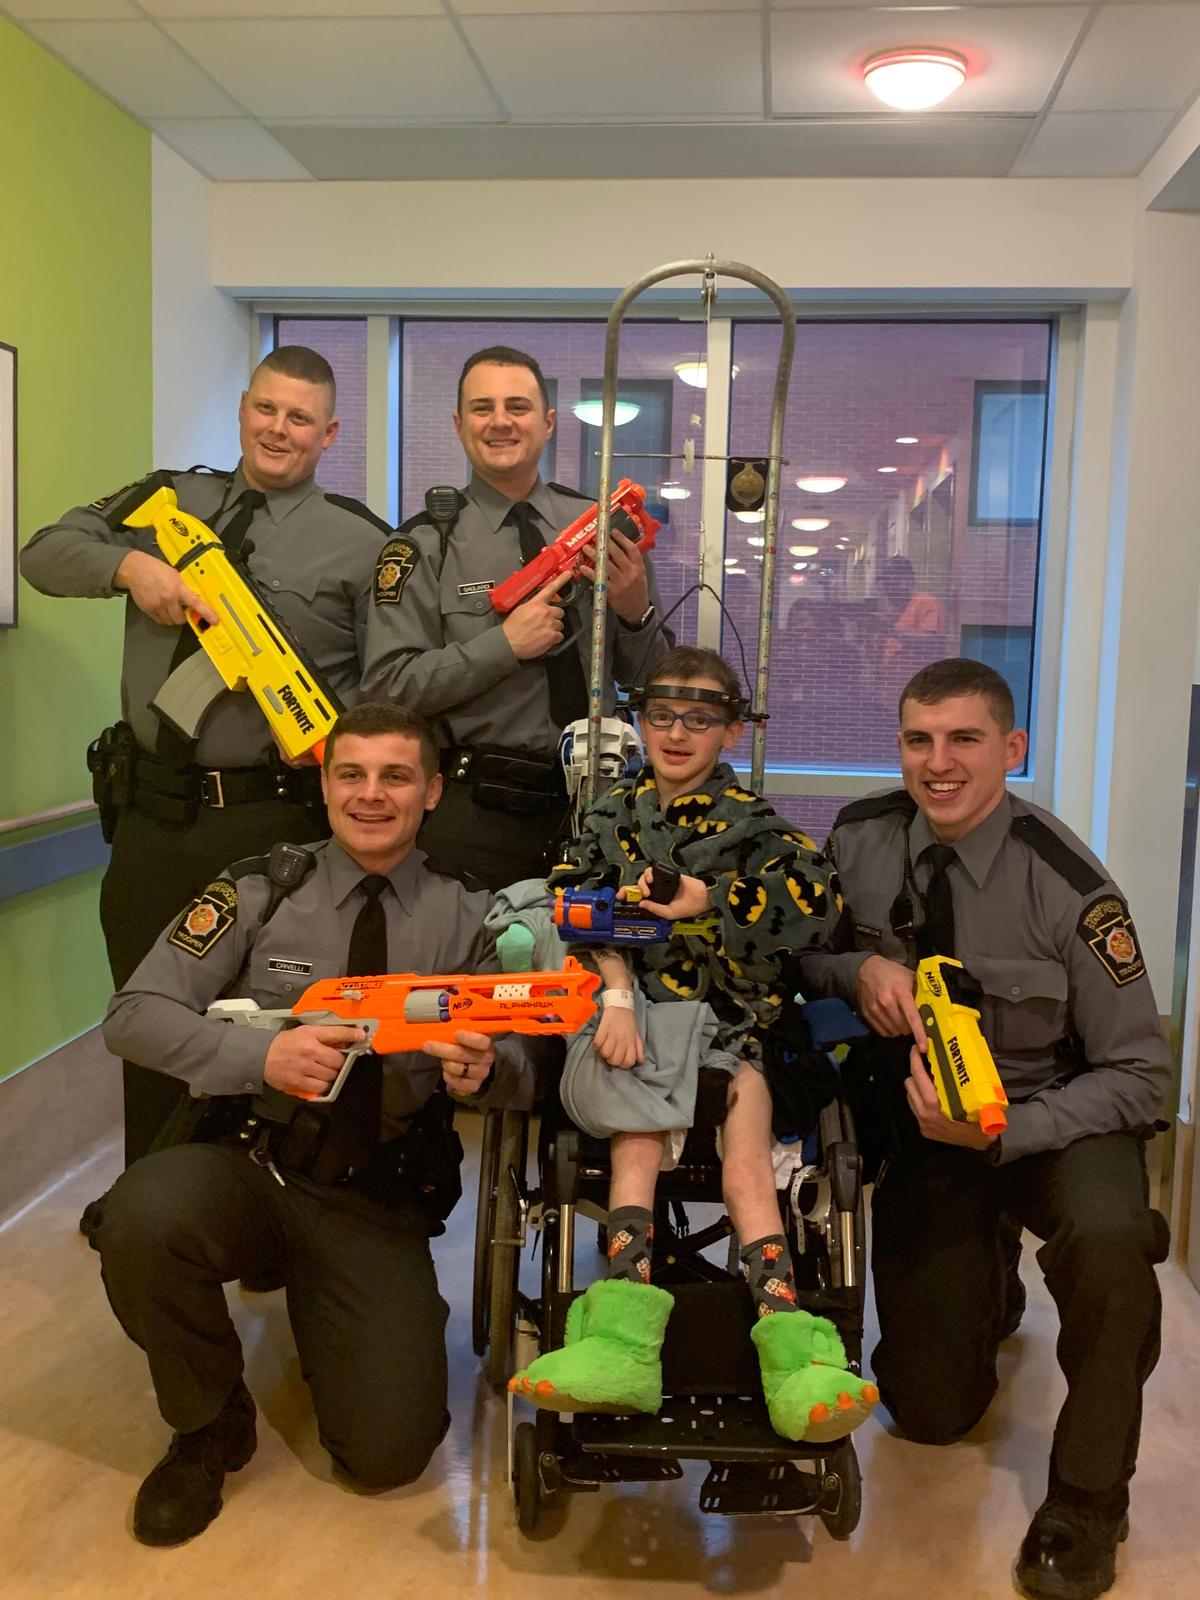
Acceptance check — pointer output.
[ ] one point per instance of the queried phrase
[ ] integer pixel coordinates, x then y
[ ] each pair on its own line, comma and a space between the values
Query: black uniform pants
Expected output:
362, 1297
938, 1265
155, 869
497, 847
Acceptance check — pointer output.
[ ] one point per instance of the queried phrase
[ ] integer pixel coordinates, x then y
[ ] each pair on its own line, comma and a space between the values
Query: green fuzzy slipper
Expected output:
810, 1396
610, 1358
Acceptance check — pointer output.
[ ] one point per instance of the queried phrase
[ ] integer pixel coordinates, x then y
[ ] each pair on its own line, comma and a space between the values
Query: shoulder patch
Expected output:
1057, 853
1105, 927
396, 564
209, 916
348, 503
574, 494
897, 801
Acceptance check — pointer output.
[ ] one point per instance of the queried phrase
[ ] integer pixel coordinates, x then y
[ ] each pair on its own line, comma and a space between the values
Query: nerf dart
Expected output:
401, 1011
251, 647
964, 1074
596, 916
629, 516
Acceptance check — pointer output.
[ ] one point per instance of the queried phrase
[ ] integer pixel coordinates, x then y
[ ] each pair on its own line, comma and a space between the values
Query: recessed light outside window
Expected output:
756, 540
736, 572
914, 79
887, 469
810, 524
752, 516
804, 549
908, 438
820, 485
674, 491
799, 566
695, 373
592, 412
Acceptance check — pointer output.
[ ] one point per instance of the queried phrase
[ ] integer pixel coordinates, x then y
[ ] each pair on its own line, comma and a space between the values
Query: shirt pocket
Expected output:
465, 616
1025, 1006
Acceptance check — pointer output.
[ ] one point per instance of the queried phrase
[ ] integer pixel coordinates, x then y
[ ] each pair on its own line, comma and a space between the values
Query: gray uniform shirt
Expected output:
313, 557
434, 925
435, 644
1054, 963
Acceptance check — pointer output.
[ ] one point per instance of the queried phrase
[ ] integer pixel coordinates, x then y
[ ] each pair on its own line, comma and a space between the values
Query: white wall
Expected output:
201, 335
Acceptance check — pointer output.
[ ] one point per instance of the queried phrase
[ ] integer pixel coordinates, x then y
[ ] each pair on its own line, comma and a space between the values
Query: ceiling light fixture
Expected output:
914, 79
752, 516
756, 541
908, 438
735, 572
592, 412
799, 566
695, 373
674, 491
887, 469
810, 524
804, 549
820, 485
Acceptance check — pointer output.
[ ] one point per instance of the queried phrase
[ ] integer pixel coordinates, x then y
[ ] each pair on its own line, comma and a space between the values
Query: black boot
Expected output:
90, 1220
1070, 1550
183, 1493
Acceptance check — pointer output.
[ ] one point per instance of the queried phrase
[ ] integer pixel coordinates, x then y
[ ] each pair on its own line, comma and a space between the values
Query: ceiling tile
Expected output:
641, 66
1093, 144
69, 10
134, 64
229, 148
962, 148
1135, 58
239, 9
1014, 55
493, 8
395, 67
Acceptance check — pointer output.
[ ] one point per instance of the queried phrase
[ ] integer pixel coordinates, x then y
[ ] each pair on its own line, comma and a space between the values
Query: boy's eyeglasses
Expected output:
694, 721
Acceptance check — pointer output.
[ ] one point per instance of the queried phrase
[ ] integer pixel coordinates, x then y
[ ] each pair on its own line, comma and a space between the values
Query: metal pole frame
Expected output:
710, 268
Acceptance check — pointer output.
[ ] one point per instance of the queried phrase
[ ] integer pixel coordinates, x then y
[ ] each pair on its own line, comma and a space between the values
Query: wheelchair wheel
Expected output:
527, 1486
841, 1496
505, 1249
485, 1230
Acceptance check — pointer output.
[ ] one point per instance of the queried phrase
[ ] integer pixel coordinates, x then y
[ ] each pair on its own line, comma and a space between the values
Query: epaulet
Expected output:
896, 802
1057, 853
574, 494
249, 867
469, 881
348, 503
422, 519
207, 472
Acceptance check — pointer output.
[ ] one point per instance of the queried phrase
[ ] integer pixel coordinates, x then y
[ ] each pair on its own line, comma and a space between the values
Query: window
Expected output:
892, 567
343, 343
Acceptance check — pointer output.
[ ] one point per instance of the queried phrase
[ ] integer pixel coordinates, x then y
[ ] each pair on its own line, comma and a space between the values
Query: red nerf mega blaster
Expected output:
629, 516
401, 1011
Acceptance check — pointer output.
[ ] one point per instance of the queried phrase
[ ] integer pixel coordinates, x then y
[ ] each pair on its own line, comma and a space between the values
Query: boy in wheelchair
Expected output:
751, 889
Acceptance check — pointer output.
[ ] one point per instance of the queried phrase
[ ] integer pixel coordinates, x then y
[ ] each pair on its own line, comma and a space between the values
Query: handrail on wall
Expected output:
73, 808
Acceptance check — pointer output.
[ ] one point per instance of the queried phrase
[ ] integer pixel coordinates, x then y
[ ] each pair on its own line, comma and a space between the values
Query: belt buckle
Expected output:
212, 792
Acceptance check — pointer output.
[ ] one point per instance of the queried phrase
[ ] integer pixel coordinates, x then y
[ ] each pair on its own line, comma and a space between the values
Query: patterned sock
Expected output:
630, 1241
768, 1265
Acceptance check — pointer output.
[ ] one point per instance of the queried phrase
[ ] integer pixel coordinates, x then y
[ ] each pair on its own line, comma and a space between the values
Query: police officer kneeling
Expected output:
333, 1196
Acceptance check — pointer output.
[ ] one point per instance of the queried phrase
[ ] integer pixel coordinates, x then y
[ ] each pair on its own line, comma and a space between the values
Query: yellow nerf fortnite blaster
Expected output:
251, 647
960, 1063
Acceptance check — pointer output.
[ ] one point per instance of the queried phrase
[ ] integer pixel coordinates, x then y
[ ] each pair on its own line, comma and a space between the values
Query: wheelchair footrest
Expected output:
748, 1489
587, 1468
698, 1427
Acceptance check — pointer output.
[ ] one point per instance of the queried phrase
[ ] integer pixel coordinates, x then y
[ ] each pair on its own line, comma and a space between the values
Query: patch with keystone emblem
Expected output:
205, 919
1105, 927
396, 565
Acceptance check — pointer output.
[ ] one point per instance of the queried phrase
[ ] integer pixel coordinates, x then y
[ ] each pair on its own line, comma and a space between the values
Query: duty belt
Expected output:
505, 780
175, 793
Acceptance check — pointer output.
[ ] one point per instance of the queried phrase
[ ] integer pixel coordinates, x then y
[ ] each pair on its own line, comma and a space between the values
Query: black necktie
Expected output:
356, 1113
169, 745
564, 672
936, 935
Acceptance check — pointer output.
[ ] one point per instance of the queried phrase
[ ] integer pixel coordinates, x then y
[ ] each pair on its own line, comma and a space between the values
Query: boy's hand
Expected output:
617, 1039
691, 899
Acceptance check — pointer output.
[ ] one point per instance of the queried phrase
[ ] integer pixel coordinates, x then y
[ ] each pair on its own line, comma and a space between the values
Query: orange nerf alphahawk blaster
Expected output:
629, 516
960, 1063
401, 1011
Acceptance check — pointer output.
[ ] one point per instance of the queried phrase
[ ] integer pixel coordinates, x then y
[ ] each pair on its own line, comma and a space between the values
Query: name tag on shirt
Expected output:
300, 969
481, 587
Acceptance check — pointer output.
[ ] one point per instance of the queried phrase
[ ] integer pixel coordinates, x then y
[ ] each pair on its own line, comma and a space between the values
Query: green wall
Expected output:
75, 299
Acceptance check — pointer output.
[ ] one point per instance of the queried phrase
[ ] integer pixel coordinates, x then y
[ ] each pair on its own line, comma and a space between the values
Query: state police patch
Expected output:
1106, 929
396, 565
203, 921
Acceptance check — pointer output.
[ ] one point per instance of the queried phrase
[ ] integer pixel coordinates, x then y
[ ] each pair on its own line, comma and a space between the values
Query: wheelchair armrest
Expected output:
831, 1022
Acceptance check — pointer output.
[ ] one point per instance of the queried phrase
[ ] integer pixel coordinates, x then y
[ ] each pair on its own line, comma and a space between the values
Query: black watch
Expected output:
643, 621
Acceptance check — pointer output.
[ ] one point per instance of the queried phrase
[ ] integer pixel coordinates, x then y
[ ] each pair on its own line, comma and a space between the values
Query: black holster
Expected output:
112, 759
873, 1077
500, 780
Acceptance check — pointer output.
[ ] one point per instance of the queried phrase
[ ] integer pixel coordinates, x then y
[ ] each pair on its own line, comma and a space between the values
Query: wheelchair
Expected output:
713, 1409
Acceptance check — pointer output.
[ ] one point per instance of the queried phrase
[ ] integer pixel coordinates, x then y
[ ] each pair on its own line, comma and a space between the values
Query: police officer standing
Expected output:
955, 865
501, 689
340, 1198
175, 813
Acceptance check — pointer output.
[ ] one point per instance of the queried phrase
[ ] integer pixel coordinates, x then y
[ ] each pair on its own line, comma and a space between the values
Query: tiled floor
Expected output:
78, 1430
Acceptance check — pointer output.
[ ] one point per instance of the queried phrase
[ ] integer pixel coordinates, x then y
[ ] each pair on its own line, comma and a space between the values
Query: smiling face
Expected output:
504, 426
286, 426
954, 757
377, 792
683, 758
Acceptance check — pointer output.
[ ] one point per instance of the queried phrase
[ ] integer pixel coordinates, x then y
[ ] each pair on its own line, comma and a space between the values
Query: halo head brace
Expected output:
734, 705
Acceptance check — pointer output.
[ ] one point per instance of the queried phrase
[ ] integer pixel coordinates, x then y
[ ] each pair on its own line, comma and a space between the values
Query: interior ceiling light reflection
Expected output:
820, 485
592, 412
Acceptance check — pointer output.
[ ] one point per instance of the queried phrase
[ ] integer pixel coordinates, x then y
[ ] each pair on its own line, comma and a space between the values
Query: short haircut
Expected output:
305, 365
688, 661
375, 718
503, 355
957, 676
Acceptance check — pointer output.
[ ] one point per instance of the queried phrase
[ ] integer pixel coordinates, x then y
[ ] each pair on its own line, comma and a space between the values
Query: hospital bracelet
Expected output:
619, 999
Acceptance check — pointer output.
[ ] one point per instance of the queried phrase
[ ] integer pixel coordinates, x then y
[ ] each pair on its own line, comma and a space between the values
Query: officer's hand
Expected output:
465, 1064
934, 1122
617, 1039
304, 1061
158, 590
883, 995
536, 625
691, 899
628, 586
